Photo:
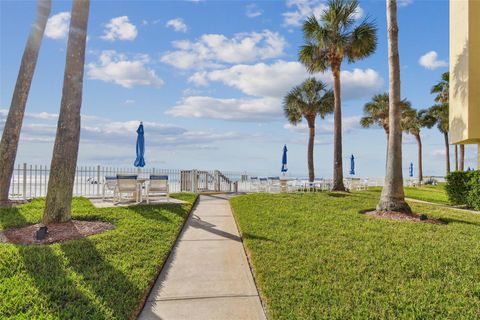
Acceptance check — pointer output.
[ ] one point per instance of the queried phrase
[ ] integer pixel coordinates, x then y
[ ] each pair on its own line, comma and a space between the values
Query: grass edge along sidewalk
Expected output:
102, 276
315, 257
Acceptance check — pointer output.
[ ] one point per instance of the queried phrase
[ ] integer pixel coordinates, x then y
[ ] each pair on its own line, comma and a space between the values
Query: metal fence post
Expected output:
98, 180
24, 181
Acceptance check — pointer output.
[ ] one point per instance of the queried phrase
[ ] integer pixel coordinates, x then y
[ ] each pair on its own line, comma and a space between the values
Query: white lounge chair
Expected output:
158, 184
253, 184
110, 184
127, 184
274, 184
262, 185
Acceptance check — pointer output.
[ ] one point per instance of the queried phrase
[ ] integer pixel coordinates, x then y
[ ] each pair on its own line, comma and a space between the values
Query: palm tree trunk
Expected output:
311, 143
337, 133
13, 124
447, 152
420, 161
462, 158
393, 197
65, 150
456, 157
386, 153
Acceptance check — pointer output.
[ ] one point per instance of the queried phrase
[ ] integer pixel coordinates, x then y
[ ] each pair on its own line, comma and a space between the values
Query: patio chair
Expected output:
262, 185
110, 184
127, 184
274, 184
254, 184
158, 184
295, 185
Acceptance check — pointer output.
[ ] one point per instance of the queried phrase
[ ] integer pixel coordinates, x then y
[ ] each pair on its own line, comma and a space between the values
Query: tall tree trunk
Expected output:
462, 158
456, 157
13, 124
65, 150
311, 143
447, 152
337, 133
393, 197
420, 161
386, 153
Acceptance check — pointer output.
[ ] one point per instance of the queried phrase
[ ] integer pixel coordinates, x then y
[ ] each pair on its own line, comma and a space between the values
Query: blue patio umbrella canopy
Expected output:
410, 169
284, 159
140, 161
352, 165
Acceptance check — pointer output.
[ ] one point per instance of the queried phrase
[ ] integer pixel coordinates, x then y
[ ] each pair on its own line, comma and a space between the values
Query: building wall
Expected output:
465, 71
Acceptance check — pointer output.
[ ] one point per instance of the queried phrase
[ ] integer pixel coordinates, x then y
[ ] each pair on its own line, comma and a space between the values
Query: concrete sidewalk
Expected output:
207, 275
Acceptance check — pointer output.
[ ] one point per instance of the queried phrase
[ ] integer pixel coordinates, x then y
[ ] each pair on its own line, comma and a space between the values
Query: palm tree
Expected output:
440, 113
376, 112
329, 40
441, 91
393, 196
308, 100
65, 151
13, 124
413, 122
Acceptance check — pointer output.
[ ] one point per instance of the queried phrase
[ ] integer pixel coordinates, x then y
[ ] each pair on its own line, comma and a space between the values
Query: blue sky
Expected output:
207, 78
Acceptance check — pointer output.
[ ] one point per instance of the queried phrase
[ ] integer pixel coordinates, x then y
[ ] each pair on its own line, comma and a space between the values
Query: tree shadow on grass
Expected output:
338, 195
155, 212
110, 285
453, 220
251, 236
57, 291
11, 218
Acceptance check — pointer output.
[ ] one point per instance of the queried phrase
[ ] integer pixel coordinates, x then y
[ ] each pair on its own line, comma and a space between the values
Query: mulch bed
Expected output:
393, 215
57, 232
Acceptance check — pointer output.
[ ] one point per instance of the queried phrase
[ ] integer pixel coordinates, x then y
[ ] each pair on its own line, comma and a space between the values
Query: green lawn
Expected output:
429, 193
316, 257
100, 277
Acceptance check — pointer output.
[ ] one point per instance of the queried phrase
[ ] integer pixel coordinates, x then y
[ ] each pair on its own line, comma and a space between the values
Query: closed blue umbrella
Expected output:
352, 165
284, 159
140, 161
410, 169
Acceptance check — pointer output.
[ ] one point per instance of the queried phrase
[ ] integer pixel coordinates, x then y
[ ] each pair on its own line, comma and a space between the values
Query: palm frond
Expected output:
313, 58
362, 41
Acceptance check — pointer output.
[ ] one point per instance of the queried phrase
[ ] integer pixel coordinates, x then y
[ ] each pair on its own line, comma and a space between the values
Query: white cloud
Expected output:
117, 68
274, 80
252, 11
119, 28
58, 25
211, 50
404, 3
300, 10
96, 130
247, 109
129, 101
438, 152
177, 24
430, 61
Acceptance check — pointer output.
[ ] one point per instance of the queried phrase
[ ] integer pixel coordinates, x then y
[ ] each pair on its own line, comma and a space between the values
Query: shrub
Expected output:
457, 187
473, 196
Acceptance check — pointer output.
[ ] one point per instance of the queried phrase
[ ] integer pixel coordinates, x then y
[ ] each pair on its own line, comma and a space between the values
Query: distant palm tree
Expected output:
65, 150
329, 40
308, 100
13, 124
376, 112
441, 91
413, 122
440, 113
393, 196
